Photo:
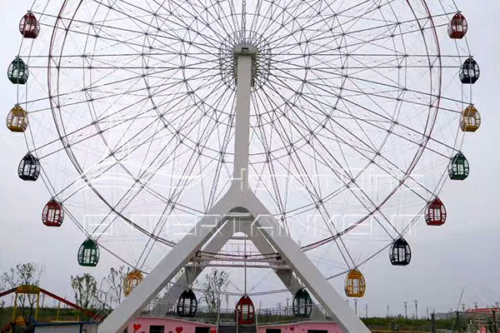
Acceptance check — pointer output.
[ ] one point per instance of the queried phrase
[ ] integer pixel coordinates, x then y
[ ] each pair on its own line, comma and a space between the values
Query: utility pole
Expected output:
387, 311
356, 306
406, 310
416, 309
366, 310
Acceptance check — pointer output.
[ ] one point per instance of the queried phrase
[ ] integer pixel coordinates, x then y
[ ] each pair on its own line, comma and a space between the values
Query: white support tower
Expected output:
262, 228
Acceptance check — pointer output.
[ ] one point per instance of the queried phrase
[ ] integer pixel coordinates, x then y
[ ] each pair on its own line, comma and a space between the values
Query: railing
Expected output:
237, 320
286, 315
468, 322
102, 314
262, 316
203, 314
163, 309
256, 323
218, 321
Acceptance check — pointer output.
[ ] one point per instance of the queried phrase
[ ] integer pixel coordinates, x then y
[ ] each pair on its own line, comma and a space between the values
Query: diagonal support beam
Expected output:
214, 246
308, 273
238, 197
265, 224
168, 267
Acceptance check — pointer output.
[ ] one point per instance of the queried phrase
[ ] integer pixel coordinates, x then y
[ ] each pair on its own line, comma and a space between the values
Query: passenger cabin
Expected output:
458, 27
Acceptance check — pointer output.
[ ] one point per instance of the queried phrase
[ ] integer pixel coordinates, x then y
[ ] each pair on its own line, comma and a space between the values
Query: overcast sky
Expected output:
461, 255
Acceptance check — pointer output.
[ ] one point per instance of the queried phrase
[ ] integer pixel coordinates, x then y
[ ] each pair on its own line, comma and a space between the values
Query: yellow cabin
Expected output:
471, 119
17, 119
132, 280
355, 285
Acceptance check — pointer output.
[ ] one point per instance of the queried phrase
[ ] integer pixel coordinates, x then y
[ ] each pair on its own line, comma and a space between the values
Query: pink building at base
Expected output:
175, 325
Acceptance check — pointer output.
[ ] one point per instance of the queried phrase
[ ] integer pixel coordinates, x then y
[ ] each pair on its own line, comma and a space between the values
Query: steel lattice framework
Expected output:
355, 111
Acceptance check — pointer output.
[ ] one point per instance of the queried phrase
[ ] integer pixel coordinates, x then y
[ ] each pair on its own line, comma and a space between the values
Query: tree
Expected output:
114, 282
2, 288
85, 289
21, 275
2, 284
110, 291
216, 283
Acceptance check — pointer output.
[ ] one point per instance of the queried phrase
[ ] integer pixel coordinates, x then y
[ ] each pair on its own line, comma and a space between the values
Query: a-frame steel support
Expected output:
215, 244
238, 198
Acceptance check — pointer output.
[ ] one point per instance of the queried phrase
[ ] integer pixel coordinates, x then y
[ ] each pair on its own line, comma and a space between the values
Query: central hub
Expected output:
248, 50
254, 46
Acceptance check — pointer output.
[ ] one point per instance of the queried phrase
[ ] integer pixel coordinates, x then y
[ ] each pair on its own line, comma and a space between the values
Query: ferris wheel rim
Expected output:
173, 244
370, 213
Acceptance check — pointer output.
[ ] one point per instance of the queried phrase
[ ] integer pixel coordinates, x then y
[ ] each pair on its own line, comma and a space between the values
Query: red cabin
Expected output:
436, 213
53, 214
245, 311
29, 26
458, 27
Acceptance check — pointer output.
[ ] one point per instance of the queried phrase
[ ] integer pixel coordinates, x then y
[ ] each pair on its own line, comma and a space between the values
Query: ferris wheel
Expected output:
357, 111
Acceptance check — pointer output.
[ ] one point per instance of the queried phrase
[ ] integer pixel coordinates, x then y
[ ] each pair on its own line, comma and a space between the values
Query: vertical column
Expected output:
242, 113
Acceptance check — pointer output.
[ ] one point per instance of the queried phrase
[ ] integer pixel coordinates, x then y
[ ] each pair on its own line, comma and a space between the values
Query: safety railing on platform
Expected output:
256, 322
227, 316
164, 309
203, 313
286, 315
101, 314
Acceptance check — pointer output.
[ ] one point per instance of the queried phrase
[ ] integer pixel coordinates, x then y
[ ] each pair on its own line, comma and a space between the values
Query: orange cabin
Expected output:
355, 285
471, 119
17, 119
132, 280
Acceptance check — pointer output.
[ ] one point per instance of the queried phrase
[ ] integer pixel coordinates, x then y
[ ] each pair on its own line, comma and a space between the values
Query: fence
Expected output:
451, 322
286, 315
473, 322
263, 316
203, 314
